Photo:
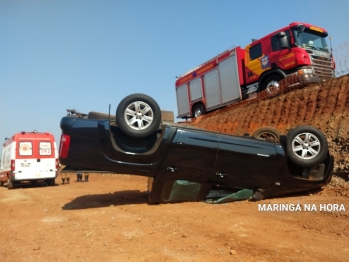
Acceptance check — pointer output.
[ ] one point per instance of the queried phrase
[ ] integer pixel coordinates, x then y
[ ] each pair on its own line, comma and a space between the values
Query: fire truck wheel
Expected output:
306, 146
267, 133
138, 115
1, 183
10, 184
198, 110
271, 82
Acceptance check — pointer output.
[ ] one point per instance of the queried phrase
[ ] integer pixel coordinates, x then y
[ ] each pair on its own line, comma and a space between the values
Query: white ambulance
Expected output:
29, 157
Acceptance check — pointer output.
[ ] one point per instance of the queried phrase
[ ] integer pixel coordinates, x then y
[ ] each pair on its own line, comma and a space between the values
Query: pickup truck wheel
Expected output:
198, 110
10, 184
306, 146
267, 133
138, 115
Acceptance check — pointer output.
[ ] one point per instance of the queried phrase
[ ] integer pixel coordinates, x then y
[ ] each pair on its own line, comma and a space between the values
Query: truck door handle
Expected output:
172, 169
221, 175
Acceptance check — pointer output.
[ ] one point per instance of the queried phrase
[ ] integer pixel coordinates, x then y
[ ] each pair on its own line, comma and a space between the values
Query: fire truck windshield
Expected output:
310, 39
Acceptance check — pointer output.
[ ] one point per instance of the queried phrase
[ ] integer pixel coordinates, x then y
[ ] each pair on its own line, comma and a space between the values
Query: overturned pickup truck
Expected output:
188, 164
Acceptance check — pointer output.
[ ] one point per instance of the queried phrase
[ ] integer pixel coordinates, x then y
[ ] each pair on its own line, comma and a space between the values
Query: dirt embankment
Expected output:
325, 106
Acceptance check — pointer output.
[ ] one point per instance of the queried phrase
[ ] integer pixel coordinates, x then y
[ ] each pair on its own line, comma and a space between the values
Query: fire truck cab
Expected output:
29, 157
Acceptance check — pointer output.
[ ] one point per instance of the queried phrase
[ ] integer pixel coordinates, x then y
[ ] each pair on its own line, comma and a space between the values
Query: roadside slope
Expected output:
325, 106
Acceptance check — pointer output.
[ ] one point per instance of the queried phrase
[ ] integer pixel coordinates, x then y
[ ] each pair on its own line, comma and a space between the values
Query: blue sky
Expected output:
87, 54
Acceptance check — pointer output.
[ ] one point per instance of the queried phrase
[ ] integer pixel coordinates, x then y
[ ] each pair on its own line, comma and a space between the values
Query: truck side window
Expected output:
255, 51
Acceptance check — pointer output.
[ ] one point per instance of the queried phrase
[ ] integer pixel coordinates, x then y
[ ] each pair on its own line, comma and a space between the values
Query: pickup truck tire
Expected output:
267, 133
138, 115
306, 146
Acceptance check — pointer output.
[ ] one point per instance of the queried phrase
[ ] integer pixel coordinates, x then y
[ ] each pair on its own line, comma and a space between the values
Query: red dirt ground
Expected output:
108, 218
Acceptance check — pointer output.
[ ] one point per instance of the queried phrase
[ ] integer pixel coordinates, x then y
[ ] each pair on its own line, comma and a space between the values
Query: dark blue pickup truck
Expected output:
189, 164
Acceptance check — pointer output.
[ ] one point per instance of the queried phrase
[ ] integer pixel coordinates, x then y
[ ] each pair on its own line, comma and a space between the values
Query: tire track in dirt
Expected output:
325, 106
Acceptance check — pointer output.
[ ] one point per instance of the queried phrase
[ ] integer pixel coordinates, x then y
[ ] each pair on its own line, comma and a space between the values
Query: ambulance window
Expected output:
25, 148
45, 148
256, 51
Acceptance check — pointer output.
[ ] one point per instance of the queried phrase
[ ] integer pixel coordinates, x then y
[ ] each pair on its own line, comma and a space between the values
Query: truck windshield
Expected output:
310, 39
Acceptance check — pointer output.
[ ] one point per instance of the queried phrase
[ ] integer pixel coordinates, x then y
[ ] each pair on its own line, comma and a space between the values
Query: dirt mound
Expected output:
325, 106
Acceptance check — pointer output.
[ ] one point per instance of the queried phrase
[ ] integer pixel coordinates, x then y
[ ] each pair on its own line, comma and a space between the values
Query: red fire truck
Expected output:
239, 73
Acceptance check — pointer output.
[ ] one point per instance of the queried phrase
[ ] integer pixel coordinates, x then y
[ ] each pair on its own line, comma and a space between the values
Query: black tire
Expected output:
306, 146
1, 183
267, 133
101, 116
10, 184
198, 110
138, 115
271, 83
51, 182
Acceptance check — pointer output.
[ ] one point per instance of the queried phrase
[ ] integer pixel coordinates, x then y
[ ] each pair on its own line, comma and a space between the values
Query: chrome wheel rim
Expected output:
272, 86
306, 146
198, 112
139, 115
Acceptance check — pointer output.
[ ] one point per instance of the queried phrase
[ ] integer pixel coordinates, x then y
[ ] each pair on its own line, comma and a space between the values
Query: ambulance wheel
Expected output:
138, 116
51, 182
10, 184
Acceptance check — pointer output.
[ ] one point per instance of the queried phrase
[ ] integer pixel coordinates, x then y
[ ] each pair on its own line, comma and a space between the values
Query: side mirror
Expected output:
284, 44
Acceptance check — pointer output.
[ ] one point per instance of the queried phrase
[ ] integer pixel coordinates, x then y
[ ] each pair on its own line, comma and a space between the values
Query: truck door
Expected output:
278, 57
191, 158
46, 162
253, 62
25, 164
241, 162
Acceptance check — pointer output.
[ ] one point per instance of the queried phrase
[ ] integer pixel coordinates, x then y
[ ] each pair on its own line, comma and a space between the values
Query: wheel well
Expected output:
194, 105
265, 75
